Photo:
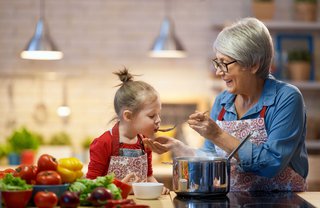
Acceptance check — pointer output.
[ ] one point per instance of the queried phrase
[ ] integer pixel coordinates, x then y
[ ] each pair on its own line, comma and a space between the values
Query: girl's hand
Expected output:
165, 191
131, 178
161, 144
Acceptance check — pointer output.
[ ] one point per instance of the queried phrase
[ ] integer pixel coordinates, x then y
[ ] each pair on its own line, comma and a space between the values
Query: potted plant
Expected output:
263, 9
86, 142
305, 10
22, 145
299, 64
60, 138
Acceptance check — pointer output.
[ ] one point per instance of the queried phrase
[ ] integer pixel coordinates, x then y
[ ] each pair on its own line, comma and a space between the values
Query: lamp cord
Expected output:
42, 9
64, 92
167, 8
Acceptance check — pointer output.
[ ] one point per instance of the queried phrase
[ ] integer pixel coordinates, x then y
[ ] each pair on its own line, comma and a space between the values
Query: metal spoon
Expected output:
173, 127
168, 129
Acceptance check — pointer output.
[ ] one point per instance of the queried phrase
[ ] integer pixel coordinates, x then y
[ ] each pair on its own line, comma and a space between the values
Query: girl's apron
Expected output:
286, 180
125, 161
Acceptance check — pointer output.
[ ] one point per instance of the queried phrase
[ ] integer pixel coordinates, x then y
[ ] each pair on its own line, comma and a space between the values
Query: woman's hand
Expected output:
204, 125
161, 144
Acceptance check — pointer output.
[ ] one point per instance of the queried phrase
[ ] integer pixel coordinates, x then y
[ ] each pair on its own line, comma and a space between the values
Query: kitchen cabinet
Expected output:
310, 88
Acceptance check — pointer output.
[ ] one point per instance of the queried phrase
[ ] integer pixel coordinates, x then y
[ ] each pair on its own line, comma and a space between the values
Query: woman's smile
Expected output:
229, 82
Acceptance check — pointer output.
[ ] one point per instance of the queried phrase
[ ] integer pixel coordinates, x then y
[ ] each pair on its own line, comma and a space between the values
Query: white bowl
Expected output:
147, 190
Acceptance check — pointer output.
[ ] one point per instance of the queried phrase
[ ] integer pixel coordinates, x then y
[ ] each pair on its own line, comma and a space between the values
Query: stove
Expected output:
244, 200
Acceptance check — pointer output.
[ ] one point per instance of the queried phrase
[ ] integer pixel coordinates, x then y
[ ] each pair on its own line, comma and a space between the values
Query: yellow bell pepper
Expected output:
70, 169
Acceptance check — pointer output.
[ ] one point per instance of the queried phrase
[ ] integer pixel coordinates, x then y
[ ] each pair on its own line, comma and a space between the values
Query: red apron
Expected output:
286, 180
121, 166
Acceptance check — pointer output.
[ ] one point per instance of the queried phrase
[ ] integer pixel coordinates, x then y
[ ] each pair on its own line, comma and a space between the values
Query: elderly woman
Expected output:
275, 156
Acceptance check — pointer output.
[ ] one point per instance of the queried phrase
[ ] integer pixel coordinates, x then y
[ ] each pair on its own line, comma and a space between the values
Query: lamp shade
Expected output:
41, 46
167, 45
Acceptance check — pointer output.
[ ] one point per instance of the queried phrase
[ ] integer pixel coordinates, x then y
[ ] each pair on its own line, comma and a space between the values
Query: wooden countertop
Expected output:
311, 197
165, 201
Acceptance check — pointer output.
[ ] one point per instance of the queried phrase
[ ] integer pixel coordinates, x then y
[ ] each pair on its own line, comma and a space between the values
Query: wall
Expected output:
97, 38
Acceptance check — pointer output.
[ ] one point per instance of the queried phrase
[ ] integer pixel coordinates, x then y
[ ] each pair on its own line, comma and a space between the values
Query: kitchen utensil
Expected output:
196, 176
40, 112
16, 198
57, 189
147, 190
167, 129
11, 121
238, 147
173, 127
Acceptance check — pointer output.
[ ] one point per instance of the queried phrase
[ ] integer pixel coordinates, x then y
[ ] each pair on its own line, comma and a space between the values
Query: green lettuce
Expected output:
9, 182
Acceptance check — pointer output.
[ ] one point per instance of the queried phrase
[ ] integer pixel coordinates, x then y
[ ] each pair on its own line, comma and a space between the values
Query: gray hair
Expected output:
249, 42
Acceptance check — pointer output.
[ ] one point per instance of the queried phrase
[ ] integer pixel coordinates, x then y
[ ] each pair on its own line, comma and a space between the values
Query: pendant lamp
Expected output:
167, 44
41, 46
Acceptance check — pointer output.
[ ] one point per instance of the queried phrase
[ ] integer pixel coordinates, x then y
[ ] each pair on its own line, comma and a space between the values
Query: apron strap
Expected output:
223, 111
115, 140
140, 136
116, 144
221, 114
263, 111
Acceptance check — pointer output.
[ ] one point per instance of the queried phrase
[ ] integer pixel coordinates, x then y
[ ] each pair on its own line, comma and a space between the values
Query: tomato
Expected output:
6, 171
45, 199
47, 162
48, 177
27, 172
125, 188
9, 170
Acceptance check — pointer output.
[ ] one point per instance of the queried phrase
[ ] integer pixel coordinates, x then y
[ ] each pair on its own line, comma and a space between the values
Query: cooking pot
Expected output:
197, 176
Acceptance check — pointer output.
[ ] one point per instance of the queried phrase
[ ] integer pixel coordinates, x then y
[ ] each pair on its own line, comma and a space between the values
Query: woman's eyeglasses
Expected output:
221, 65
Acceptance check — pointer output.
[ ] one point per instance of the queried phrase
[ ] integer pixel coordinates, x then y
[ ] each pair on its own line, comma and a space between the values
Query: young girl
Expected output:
120, 150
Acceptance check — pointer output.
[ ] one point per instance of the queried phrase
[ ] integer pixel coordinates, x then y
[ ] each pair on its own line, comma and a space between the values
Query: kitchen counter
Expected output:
165, 201
235, 199
304, 199
311, 197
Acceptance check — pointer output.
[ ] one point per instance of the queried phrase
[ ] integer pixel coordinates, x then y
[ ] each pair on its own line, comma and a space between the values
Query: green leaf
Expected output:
9, 182
22, 139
